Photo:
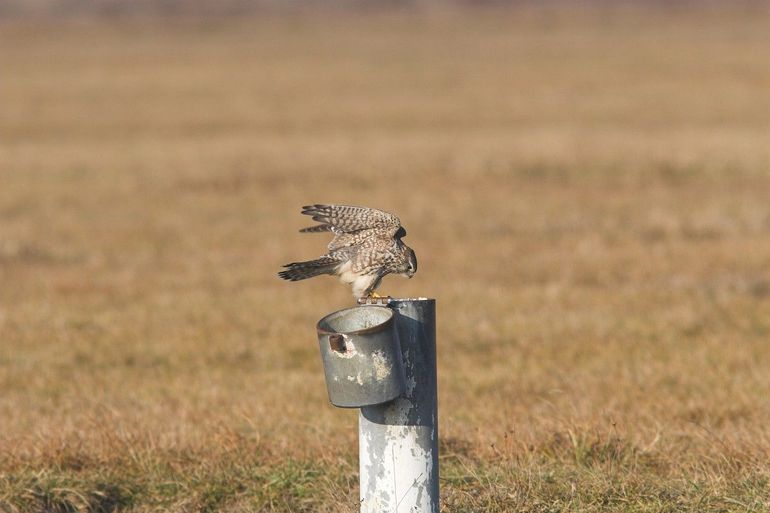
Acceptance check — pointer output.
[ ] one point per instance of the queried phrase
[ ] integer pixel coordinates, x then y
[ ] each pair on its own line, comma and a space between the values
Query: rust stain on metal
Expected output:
337, 343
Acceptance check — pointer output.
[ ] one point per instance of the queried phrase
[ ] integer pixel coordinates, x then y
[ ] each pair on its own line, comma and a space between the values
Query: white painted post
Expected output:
398, 441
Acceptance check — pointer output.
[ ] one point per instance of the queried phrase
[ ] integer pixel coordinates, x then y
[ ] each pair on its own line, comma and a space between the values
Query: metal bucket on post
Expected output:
361, 356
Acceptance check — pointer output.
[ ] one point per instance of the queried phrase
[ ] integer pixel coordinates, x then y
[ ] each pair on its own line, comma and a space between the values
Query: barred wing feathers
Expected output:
353, 225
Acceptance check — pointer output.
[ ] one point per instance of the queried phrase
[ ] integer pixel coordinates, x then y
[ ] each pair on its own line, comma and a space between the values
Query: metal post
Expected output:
398, 440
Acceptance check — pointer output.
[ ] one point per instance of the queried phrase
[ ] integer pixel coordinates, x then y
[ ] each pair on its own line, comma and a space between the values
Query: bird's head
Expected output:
411, 263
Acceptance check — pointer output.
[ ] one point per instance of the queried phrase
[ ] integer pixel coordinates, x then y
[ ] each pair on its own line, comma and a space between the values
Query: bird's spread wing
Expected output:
352, 225
349, 219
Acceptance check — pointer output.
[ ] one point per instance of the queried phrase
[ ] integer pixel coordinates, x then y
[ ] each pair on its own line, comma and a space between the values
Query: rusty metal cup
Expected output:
361, 356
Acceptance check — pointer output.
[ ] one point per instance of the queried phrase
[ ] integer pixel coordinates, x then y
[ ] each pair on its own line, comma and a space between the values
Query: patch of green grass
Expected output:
66, 491
589, 476
247, 483
551, 487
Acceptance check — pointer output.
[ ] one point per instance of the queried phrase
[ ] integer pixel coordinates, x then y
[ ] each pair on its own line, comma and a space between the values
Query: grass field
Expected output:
588, 194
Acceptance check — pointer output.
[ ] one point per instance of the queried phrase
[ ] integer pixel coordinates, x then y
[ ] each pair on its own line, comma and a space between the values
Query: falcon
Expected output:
366, 246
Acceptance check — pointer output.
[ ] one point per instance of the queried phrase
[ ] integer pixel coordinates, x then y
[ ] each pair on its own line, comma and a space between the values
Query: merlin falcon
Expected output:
366, 247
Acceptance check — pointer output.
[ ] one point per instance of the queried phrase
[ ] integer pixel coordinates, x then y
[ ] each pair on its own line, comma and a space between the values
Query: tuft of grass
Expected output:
214, 485
62, 491
533, 483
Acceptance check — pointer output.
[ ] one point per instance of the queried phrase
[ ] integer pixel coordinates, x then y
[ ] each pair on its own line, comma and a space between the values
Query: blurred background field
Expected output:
587, 190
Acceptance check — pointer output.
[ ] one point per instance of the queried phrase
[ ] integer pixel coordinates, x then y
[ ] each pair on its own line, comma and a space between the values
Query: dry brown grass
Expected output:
588, 194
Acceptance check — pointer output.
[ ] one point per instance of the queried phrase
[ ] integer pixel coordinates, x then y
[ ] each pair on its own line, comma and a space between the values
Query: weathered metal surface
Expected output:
361, 356
398, 441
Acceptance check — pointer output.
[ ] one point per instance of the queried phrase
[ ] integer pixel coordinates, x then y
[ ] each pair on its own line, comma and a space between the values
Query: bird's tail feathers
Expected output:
302, 270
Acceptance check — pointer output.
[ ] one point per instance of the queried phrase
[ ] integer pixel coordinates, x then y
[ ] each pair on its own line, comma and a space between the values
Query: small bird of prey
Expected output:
366, 246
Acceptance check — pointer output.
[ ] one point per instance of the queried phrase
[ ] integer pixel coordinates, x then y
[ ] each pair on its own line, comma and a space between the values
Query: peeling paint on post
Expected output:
398, 440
